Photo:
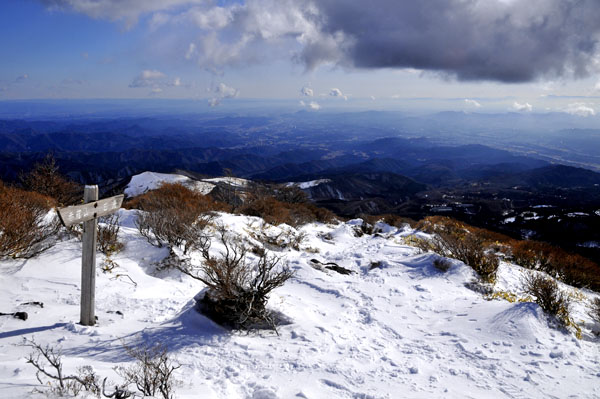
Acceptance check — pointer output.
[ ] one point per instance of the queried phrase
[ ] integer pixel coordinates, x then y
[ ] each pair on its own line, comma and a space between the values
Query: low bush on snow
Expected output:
572, 269
237, 289
152, 373
175, 215
549, 296
442, 264
595, 310
475, 246
456, 240
26, 229
280, 204
108, 235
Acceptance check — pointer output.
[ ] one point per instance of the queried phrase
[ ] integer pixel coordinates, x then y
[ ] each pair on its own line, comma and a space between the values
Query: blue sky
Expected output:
492, 55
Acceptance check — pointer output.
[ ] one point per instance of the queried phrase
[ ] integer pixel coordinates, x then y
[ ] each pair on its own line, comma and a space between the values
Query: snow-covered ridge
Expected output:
146, 181
308, 184
395, 327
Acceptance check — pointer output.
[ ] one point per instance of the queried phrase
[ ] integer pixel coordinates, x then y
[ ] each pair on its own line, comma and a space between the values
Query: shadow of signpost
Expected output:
188, 328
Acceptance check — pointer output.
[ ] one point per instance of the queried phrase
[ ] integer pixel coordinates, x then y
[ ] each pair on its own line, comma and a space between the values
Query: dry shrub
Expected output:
277, 212
44, 178
570, 268
174, 214
290, 194
397, 220
47, 360
276, 239
108, 235
152, 373
25, 227
442, 264
457, 240
548, 295
595, 310
237, 290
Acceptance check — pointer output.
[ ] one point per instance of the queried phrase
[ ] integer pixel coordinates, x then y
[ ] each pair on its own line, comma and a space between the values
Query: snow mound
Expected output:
146, 181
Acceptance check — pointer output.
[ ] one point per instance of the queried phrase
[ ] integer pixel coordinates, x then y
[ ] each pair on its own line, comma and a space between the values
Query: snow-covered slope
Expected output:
143, 182
395, 328
308, 184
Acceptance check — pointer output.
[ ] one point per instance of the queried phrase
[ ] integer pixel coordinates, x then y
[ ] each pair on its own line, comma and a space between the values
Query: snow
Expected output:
308, 184
145, 181
400, 329
232, 181
589, 244
577, 214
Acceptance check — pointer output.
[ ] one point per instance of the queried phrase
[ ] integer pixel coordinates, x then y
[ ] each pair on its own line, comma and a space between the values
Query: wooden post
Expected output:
88, 262
88, 214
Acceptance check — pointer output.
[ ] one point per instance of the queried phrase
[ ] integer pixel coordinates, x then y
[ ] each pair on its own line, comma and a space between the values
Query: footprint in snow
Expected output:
420, 288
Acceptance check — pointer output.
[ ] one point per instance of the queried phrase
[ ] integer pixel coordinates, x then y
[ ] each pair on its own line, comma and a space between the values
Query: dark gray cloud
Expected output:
498, 40
508, 40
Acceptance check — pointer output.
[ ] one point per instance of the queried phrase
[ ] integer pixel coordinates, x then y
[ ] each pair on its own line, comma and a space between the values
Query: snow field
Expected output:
146, 181
401, 329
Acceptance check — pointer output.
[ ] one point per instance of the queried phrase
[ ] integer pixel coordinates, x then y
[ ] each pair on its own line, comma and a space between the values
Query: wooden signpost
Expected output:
88, 214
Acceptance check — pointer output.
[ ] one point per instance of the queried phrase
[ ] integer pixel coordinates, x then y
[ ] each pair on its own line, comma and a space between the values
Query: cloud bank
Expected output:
472, 103
580, 109
525, 107
221, 92
307, 91
335, 92
147, 78
497, 40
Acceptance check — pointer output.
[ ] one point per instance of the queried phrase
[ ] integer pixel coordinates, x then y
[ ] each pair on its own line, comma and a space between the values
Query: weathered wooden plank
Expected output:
71, 215
88, 260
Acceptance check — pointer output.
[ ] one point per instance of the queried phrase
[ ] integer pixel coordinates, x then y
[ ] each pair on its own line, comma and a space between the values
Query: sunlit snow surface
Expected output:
308, 184
400, 330
146, 181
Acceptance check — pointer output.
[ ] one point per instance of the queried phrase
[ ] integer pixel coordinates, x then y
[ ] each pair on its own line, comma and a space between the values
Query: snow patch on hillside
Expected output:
308, 184
146, 181
232, 181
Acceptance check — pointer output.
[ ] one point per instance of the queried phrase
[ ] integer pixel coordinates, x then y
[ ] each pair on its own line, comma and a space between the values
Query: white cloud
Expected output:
334, 92
312, 106
472, 103
159, 19
191, 51
118, 10
307, 91
372, 98
580, 109
222, 91
212, 18
597, 87
176, 82
526, 107
148, 78
157, 90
